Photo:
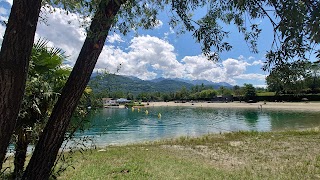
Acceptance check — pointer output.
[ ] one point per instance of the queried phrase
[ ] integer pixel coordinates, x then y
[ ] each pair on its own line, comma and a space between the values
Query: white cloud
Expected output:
198, 67
259, 62
114, 38
251, 58
234, 67
251, 61
148, 57
63, 31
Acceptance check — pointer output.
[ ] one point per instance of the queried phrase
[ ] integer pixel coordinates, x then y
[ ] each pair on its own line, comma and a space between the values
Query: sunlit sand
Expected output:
300, 106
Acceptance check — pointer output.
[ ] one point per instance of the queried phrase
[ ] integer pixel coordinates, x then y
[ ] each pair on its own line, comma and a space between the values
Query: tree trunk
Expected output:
21, 152
14, 59
51, 139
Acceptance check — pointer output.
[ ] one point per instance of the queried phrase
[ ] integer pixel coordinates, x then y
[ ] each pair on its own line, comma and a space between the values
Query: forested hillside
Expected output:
112, 83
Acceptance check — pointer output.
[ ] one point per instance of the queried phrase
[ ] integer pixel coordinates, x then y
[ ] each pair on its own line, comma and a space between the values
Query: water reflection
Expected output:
251, 117
118, 126
293, 120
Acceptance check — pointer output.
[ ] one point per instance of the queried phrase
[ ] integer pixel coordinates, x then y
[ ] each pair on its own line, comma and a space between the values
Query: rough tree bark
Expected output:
21, 152
14, 59
47, 148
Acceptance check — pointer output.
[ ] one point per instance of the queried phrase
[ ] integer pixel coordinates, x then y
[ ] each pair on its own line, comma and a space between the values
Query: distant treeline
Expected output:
290, 98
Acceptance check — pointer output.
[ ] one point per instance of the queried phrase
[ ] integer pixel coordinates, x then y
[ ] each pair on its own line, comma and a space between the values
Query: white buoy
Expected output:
147, 112
159, 115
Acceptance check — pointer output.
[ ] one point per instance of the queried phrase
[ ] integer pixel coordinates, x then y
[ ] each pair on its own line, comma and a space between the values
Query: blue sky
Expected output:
158, 52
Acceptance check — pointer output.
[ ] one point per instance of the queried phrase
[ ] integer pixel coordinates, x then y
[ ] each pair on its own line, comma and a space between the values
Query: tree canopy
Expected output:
249, 93
295, 23
294, 78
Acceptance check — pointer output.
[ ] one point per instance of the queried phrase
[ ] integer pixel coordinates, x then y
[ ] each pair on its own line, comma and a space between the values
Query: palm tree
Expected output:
46, 78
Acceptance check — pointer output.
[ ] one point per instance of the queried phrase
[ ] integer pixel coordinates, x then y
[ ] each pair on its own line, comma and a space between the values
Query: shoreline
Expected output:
293, 106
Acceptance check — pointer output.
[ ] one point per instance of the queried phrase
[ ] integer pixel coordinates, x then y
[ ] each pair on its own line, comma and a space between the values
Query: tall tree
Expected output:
237, 91
249, 92
52, 137
288, 77
14, 58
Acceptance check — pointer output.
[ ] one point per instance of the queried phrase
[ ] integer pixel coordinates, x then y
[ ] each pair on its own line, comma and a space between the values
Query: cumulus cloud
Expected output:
258, 62
64, 31
114, 38
198, 67
235, 67
146, 57
251, 58
251, 61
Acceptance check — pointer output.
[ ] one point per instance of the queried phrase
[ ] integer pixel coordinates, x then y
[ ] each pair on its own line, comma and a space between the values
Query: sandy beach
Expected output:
295, 106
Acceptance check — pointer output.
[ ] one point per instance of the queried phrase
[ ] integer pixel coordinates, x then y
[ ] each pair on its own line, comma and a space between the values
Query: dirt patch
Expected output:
255, 154
235, 143
215, 156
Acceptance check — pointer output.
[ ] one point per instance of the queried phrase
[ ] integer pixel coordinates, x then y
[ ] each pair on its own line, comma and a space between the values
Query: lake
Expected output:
123, 126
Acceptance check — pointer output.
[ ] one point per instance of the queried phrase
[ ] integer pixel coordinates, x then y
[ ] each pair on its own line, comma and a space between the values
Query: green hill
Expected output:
113, 83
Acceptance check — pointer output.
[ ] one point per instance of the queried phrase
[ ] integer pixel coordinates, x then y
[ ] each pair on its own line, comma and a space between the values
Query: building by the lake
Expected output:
114, 103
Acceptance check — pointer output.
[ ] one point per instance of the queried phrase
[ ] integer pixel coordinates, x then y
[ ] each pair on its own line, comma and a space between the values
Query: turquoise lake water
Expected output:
123, 126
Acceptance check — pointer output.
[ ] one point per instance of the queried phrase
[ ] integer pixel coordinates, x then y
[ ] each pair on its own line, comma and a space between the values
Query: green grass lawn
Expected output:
241, 155
266, 93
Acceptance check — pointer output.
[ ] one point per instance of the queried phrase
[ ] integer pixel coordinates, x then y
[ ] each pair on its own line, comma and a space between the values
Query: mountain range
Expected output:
134, 85
197, 82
